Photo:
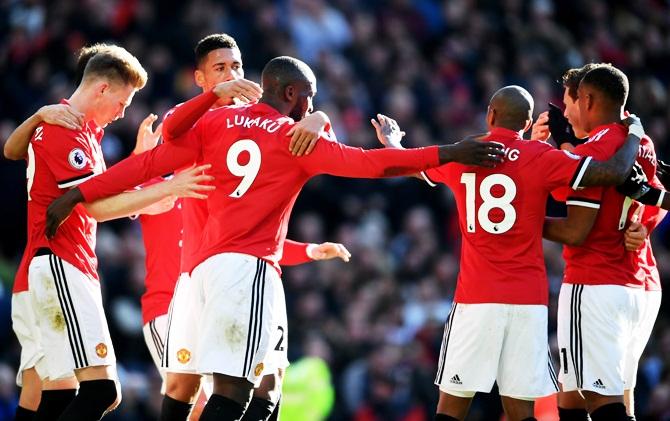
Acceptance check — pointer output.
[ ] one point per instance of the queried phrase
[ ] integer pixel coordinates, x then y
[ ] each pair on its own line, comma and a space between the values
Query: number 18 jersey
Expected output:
501, 214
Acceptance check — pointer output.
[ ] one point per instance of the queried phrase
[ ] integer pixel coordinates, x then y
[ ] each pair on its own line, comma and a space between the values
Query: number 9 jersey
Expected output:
501, 213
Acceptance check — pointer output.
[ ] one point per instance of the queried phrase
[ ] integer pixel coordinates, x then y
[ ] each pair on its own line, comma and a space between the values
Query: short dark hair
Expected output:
572, 77
113, 63
210, 43
609, 81
283, 71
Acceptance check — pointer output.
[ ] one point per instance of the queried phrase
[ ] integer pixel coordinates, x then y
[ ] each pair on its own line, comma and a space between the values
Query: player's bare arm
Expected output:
306, 132
573, 229
16, 145
185, 184
615, 170
469, 151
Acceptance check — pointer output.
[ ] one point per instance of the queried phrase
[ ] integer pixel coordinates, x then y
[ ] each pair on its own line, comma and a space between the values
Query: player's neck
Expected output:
282, 107
81, 101
607, 117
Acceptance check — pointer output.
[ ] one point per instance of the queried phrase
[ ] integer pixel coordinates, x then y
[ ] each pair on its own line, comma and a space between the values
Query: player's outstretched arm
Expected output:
305, 133
615, 170
185, 184
16, 145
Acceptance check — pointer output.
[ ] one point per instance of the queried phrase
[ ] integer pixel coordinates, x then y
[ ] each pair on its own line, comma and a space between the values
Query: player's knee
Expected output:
182, 387
270, 388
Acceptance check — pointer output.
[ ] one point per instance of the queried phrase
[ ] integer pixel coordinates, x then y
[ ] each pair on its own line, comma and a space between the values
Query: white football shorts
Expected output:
595, 332
503, 343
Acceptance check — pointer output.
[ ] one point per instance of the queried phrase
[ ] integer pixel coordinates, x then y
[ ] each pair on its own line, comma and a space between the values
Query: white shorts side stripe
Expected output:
69, 314
253, 332
445, 344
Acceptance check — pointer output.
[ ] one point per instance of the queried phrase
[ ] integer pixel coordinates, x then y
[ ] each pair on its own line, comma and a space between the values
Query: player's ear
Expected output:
490, 116
199, 77
289, 93
102, 87
529, 124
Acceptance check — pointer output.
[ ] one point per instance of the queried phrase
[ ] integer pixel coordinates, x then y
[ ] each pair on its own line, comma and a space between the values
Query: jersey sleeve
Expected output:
180, 119
68, 154
589, 197
294, 253
436, 175
330, 157
137, 169
560, 168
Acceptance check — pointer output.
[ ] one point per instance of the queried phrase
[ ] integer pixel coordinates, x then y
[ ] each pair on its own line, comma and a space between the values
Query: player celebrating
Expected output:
497, 328
571, 404
243, 308
600, 278
219, 61
57, 307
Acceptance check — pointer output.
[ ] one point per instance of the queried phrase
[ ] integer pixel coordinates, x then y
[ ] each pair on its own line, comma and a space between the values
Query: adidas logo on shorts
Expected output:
599, 384
456, 380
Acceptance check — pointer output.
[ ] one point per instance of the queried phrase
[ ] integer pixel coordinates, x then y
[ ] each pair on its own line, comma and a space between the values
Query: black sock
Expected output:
572, 414
174, 410
444, 417
631, 418
529, 419
23, 414
92, 401
275, 414
610, 412
258, 410
53, 403
221, 408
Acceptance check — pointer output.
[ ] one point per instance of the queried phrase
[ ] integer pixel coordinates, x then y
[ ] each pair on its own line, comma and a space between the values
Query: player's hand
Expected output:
634, 125
634, 236
388, 131
62, 115
540, 130
162, 206
188, 183
242, 90
636, 184
147, 138
560, 128
305, 133
60, 209
327, 251
473, 151
663, 173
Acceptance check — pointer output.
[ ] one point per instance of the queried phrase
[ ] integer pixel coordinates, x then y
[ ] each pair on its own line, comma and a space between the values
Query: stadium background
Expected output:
430, 64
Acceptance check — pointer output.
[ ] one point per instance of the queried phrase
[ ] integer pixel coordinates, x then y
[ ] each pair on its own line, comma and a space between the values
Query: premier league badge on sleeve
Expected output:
77, 158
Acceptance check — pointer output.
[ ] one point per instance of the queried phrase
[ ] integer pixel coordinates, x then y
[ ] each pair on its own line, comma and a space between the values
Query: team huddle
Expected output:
215, 228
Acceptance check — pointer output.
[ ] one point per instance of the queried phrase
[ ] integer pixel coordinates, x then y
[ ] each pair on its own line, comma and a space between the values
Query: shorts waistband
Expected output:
43, 251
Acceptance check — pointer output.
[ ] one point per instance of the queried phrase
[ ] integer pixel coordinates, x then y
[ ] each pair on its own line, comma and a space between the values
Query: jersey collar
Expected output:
502, 134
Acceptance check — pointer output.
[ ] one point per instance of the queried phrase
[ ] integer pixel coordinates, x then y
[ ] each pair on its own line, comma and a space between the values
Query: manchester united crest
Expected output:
258, 370
101, 350
183, 356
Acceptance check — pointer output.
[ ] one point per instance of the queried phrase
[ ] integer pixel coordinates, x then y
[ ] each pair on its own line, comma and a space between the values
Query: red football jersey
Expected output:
162, 236
501, 213
602, 258
257, 179
195, 210
59, 159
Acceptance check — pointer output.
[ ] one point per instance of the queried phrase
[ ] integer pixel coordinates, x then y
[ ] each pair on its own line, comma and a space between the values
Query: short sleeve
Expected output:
433, 176
561, 168
67, 153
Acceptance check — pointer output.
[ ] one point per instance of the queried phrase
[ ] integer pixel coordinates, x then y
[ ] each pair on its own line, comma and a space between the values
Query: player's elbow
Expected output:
575, 237
10, 153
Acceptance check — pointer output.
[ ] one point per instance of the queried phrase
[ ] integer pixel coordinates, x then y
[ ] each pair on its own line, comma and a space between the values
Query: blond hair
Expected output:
113, 63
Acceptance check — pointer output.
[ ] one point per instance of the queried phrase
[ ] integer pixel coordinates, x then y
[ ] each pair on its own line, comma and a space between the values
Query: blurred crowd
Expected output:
430, 64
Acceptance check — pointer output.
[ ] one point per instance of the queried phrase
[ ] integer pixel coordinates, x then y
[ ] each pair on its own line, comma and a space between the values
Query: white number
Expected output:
30, 171
490, 202
249, 171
